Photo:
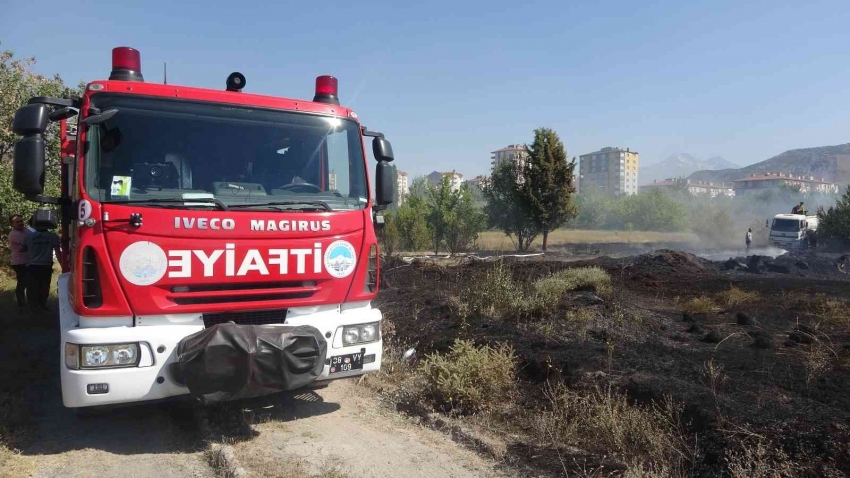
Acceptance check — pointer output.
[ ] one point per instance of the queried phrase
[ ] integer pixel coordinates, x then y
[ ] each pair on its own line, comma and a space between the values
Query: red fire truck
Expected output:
215, 243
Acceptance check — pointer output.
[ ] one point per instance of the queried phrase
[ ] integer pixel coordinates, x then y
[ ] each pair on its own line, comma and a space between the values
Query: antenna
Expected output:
164, 74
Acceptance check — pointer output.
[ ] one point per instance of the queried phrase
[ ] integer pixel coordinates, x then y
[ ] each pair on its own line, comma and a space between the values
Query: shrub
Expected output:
735, 296
761, 460
647, 438
593, 278
700, 305
835, 221
493, 295
470, 378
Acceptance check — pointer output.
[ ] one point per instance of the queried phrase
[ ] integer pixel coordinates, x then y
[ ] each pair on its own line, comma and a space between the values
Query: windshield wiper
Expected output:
319, 204
211, 201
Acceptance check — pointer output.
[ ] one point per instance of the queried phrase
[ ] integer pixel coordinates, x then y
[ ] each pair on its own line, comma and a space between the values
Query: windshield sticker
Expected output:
121, 187
143, 263
340, 259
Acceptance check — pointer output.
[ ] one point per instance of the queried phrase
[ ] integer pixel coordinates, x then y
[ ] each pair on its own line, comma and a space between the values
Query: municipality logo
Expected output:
143, 263
340, 259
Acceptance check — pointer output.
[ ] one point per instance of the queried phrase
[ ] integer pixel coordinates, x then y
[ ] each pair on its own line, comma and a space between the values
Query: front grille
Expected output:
227, 299
250, 317
240, 286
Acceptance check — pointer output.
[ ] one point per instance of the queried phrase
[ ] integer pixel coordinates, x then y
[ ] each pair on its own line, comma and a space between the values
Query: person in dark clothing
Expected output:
19, 258
40, 246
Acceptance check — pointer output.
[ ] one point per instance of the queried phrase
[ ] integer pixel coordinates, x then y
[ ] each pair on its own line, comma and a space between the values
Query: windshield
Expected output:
786, 225
166, 149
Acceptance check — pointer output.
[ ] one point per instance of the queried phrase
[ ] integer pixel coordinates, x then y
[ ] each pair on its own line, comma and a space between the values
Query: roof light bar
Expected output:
126, 64
327, 88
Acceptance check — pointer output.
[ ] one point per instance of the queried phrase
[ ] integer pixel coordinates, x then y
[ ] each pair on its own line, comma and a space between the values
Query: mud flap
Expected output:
229, 361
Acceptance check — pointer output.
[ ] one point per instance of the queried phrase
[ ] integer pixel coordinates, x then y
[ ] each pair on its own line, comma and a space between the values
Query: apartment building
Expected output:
436, 178
403, 186
611, 171
697, 188
759, 182
477, 182
512, 152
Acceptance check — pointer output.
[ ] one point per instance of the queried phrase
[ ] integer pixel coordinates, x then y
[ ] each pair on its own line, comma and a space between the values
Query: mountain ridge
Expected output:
680, 165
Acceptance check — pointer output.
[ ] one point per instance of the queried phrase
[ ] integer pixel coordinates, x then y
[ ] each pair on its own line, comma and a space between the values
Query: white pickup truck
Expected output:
792, 230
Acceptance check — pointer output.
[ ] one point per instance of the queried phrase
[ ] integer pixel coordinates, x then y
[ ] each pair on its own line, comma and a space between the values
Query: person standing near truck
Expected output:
40, 246
19, 258
749, 238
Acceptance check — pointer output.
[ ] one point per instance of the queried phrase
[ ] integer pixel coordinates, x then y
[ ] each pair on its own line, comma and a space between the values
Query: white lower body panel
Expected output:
153, 380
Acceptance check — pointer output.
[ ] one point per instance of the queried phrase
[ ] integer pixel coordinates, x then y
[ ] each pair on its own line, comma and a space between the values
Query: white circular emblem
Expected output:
340, 259
84, 211
143, 263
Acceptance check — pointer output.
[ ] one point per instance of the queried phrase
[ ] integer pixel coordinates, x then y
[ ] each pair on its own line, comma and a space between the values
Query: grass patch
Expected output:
735, 296
700, 305
761, 460
498, 296
497, 241
650, 440
583, 278
833, 311
470, 378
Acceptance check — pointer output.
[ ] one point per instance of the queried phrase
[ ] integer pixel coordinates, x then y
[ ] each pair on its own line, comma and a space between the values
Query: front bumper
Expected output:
156, 378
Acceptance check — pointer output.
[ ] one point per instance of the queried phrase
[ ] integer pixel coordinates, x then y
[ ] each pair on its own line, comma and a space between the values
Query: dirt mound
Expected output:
664, 265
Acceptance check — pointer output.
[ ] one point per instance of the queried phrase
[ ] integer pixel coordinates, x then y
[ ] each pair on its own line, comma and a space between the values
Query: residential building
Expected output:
332, 180
760, 182
403, 186
611, 171
436, 178
477, 182
697, 188
512, 152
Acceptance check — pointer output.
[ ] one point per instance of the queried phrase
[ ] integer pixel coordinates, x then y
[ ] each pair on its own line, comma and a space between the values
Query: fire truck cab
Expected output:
215, 243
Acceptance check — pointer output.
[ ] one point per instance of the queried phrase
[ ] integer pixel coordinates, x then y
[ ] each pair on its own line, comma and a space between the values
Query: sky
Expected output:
449, 82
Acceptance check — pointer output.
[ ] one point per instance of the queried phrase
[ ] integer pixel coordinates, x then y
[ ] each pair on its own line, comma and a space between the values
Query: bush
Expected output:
470, 378
649, 439
590, 278
700, 305
491, 296
835, 221
735, 296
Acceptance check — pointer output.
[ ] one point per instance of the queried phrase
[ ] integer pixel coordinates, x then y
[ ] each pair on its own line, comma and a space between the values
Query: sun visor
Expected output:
230, 362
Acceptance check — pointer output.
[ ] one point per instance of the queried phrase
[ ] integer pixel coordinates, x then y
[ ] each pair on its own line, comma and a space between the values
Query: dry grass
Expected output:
497, 241
263, 465
700, 305
470, 378
590, 278
761, 460
649, 439
735, 296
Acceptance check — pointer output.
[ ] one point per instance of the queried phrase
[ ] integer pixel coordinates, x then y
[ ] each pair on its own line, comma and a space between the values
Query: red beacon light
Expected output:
126, 64
326, 90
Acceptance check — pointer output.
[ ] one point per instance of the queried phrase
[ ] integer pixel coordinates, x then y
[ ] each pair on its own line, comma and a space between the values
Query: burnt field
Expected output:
662, 364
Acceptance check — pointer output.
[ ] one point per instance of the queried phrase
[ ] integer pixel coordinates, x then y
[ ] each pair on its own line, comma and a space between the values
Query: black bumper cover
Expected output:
230, 362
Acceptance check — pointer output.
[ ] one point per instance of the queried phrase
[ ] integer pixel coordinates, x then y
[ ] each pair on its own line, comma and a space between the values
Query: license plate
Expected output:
347, 363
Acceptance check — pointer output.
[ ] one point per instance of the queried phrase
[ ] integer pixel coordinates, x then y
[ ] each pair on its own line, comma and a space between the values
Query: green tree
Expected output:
465, 221
593, 209
388, 236
507, 206
414, 233
441, 203
834, 222
19, 83
549, 186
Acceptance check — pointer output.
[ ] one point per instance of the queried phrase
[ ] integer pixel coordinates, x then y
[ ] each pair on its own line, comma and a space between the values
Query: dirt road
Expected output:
337, 431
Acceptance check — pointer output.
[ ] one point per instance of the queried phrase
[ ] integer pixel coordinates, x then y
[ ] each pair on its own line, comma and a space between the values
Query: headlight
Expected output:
101, 356
360, 334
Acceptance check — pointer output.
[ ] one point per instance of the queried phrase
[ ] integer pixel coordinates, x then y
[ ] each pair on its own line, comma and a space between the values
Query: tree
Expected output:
835, 222
19, 83
414, 234
465, 221
388, 235
507, 205
441, 202
549, 186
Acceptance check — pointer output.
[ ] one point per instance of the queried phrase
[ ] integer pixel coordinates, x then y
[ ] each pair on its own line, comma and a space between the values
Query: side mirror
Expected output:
30, 122
382, 149
31, 119
383, 184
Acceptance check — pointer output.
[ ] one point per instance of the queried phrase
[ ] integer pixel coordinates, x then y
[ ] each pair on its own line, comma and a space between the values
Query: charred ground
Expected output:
754, 355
